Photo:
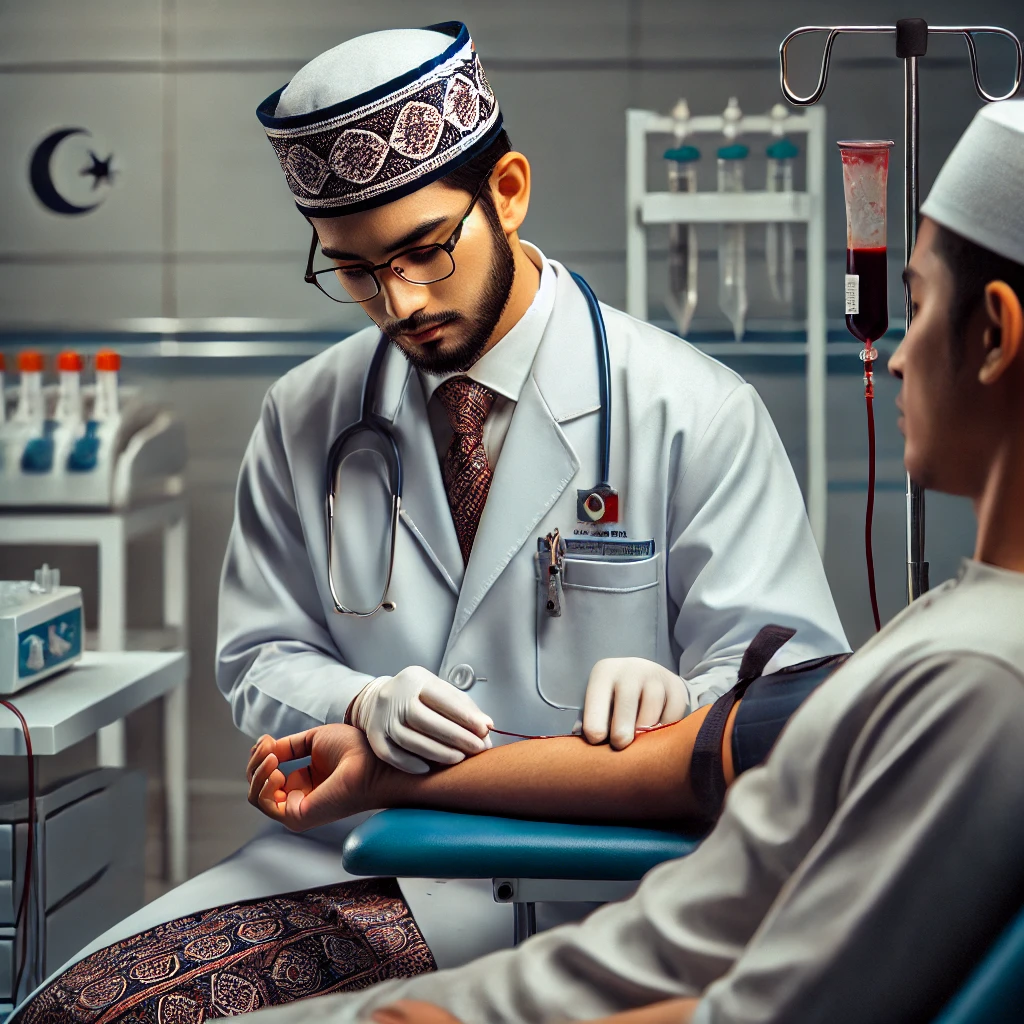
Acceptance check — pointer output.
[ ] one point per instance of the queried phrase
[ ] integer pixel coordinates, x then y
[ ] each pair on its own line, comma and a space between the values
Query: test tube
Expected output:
31, 408
732, 244
69, 392
683, 253
108, 363
779, 237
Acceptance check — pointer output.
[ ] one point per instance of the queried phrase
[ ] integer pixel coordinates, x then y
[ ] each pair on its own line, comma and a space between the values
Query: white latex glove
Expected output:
415, 717
624, 694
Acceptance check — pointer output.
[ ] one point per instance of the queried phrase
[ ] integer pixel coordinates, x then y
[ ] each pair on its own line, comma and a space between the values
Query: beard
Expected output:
478, 327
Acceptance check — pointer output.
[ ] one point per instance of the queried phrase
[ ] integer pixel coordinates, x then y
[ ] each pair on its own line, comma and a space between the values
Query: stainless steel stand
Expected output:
911, 44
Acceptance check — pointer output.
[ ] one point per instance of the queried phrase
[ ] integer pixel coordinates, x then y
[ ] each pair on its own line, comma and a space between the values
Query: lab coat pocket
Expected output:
608, 610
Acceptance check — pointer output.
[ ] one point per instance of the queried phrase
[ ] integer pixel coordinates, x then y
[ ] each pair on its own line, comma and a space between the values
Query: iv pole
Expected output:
911, 44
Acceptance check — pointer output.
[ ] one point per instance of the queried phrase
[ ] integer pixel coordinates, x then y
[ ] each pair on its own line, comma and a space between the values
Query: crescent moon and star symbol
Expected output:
41, 174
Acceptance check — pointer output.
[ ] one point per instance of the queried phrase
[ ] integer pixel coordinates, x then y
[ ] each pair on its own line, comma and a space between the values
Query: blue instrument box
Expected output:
40, 633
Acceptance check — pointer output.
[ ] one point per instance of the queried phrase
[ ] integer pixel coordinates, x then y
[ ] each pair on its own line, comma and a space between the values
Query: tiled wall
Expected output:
198, 222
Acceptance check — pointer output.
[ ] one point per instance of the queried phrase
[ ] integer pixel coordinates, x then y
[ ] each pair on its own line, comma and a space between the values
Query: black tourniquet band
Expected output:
706, 775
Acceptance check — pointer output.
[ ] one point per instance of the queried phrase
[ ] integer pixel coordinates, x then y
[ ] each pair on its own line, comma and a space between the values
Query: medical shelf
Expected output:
646, 209
725, 207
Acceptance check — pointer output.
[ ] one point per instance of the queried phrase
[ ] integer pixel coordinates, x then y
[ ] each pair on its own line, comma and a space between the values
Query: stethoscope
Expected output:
380, 427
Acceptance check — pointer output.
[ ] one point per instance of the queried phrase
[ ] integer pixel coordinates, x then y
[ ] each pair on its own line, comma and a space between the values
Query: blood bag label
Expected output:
852, 293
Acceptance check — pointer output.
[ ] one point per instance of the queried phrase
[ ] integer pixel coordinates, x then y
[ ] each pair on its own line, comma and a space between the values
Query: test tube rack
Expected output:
645, 209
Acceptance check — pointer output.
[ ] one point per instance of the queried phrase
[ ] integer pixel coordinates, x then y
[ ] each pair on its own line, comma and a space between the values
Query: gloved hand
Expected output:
415, 717
624, 694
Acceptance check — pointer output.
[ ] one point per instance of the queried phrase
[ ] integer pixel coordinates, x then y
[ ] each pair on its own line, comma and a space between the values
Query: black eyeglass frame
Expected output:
311, 275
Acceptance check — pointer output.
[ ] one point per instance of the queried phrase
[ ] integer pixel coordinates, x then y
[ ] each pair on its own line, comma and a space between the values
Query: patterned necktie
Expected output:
467, 476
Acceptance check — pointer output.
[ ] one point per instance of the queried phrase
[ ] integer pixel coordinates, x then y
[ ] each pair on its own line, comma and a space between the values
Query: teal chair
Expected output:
528, 862
994, 992
533, 862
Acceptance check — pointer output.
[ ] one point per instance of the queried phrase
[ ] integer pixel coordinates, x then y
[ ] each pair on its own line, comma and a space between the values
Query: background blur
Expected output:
195, 238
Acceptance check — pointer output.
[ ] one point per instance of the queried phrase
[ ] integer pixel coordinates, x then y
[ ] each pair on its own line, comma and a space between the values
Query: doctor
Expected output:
489, 389
392, 145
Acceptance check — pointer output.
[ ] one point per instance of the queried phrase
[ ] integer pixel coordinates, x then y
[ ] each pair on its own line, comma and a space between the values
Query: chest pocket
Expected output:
609, 610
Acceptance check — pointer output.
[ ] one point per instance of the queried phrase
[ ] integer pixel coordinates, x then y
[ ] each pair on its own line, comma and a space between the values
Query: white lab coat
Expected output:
699, 469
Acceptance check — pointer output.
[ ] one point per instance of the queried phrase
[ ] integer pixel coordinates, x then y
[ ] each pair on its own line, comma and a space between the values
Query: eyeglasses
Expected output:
424, 264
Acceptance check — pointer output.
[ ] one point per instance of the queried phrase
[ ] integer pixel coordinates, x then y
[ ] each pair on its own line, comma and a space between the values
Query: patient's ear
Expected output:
1003, 336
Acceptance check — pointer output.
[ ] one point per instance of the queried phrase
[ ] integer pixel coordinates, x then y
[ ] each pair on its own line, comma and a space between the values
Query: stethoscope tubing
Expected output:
604, 376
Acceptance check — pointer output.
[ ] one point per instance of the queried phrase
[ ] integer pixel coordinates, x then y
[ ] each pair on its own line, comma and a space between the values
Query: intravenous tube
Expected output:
865, 176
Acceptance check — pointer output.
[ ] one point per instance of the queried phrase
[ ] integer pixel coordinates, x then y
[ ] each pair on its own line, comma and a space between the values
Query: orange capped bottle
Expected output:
108, 364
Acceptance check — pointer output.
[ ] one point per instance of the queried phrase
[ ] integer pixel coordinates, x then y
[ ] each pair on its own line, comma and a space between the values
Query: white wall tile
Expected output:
734, 30
231, 194
572, 127
300, 29
72, 294
123, 115
261, 289
79, 30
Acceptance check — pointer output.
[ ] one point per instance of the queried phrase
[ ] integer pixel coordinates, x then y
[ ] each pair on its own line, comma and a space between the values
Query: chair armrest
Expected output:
438, 844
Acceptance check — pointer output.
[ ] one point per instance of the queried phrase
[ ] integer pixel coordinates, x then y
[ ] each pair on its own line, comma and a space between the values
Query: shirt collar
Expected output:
505, 367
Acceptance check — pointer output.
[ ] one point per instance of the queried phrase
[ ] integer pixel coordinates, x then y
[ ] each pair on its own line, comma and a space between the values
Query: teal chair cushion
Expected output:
437, 844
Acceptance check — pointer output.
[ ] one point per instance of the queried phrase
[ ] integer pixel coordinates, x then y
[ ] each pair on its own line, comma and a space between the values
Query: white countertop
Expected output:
102, 688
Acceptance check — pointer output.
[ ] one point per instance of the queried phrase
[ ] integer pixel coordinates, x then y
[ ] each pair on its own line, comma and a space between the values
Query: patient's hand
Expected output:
338, 781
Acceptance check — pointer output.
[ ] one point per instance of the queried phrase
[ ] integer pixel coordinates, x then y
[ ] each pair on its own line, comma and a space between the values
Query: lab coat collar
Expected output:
565, 369
537, 460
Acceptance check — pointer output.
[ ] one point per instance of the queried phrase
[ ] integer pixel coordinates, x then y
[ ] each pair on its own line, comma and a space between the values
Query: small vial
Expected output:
69, 393
683, 252
732, 245
108, 363
31, 409
779, 237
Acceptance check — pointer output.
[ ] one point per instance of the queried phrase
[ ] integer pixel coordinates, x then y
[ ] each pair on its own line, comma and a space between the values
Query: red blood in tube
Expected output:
873, 319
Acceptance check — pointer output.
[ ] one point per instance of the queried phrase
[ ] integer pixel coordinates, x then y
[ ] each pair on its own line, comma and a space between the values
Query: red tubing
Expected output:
559, 736
870, 514
21, 920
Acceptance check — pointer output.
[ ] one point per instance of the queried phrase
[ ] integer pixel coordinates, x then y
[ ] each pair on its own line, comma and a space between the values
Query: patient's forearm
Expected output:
564, 779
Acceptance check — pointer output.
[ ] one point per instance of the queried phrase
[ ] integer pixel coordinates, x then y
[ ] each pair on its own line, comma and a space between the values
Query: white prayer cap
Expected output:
380, 116
979, 192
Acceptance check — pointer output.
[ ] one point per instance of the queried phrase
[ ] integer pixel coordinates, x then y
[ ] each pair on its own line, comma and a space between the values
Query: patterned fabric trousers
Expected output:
240, 958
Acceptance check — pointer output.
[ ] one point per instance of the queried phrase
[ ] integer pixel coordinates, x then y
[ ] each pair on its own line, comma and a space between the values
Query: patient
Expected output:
862, 871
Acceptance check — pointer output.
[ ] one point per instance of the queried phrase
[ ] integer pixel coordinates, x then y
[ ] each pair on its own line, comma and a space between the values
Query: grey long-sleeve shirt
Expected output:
855, 877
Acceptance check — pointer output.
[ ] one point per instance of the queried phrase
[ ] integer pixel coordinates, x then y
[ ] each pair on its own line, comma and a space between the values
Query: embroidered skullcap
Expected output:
380, 116
979, 192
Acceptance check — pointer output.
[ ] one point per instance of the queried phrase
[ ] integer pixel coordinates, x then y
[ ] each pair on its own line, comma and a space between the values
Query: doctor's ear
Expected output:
1004, 331
510, 186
